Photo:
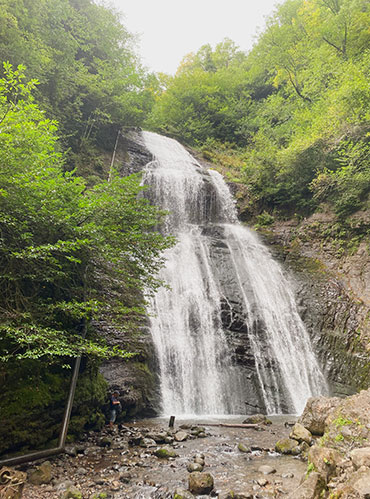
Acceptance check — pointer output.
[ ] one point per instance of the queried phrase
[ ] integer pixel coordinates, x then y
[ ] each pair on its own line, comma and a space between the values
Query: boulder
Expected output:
42, 474
324, 460
311, 488
360, 457
243, 448
159, 437
200, 483
287, 446
300, 433
181, 436
360, 483
182, 494
147, 442
315, 413
191, 467
266, 470
165, 453
72, 493
257, 419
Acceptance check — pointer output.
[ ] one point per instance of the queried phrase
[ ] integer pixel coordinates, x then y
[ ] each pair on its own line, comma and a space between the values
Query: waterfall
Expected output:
226, 329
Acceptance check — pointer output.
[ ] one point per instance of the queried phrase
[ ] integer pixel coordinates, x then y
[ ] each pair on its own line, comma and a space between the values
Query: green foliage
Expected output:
83, 57
68, 255
295, 110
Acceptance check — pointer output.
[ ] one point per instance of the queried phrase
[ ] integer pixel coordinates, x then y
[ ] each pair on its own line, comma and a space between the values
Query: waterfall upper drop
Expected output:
226, 329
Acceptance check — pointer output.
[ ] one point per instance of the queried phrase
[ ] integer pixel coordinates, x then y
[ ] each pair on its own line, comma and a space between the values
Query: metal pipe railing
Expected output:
32, 456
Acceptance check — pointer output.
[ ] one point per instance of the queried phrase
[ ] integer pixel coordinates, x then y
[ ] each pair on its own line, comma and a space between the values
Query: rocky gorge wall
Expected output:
332, 298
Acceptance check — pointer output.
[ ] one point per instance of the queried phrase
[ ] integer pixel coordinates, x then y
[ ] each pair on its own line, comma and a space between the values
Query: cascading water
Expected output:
198, 370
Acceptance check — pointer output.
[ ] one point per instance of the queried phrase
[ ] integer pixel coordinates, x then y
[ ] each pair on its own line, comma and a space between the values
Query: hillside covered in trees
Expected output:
288, 123
290, 119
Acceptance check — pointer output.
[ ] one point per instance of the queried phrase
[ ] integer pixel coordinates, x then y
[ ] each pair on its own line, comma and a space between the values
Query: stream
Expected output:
121, 462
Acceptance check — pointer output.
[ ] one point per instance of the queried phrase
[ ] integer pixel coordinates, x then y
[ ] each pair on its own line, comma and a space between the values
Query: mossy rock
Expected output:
165, 453
32, 401
287, 446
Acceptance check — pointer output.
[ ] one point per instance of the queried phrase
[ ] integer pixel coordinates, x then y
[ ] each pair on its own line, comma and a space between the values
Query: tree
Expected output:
67, 254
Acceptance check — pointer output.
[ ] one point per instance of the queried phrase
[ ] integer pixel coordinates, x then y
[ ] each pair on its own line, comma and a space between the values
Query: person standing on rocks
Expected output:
115, 408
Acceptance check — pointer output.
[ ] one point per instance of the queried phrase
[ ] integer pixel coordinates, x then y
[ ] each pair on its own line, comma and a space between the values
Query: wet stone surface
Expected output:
122, 463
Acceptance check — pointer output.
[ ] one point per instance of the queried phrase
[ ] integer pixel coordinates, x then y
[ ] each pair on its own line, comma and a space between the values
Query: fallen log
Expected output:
229, 425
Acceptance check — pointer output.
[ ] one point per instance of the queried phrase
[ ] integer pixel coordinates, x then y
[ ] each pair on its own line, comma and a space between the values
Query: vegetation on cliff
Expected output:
291, 119
73, 249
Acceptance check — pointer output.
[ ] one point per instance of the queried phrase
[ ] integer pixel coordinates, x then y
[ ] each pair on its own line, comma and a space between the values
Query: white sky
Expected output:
170, 29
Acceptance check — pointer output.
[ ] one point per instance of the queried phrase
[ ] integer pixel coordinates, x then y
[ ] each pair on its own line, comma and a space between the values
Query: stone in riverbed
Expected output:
243, 448
72, 493
287, 446
257, 419
147, 442
181, 436
266, 470
165, 453
183, 494
201, 483
191, 467
42, 474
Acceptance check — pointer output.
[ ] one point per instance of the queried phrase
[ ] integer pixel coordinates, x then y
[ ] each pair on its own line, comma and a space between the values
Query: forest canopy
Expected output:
290, 119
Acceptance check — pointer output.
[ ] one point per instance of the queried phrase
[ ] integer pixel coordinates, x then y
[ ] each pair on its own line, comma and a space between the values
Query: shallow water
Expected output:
232, 470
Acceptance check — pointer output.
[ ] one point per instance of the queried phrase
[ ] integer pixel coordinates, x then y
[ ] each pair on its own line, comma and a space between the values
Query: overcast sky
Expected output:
170, 29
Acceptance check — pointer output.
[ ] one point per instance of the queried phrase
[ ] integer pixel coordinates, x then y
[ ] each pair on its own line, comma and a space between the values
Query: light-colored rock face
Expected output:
360, 457
316, 412
310, 488
360, 483
301, 434
324, 460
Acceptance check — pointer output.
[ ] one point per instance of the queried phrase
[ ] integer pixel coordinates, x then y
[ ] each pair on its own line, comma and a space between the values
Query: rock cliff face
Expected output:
333, 294
333, 305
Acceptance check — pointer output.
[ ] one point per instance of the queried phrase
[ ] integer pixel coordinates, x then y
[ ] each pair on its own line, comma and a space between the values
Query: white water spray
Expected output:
198, 375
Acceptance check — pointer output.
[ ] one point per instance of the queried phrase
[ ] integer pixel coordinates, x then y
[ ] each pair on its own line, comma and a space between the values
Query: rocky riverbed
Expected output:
128, 462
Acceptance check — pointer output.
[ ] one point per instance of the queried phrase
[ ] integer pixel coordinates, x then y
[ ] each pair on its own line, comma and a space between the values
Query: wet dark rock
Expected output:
71, 450
105, 442
125, 477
